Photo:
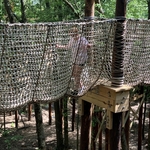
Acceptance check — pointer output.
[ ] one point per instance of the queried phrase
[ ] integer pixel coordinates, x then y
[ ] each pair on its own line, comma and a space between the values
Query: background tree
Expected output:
8, 9
59, 10
148, 3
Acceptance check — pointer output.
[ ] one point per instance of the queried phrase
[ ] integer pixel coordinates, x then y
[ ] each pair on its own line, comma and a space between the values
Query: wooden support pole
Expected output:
94, 129
73, 113
89, 9
85, 126
39, 127
127, 129
107, 139
65, 114
140, 123
117, 70
29, 111
10, 113
86, 118
149, 130
16, 118
50, 112
116, 131
4, 121
100, 134
140, 129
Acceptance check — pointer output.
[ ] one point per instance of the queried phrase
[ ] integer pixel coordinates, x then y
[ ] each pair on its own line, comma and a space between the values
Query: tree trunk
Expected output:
73, 113
89, 8
58, 122
86, 118
94, 128
65, 114
85, 126
39, 127
117, 70
149, 130
123, 140
140, 121
9, 11
23, 16
148, 2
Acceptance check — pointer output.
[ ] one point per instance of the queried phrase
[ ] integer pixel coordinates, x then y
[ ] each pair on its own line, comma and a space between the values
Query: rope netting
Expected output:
137, 52
42, 62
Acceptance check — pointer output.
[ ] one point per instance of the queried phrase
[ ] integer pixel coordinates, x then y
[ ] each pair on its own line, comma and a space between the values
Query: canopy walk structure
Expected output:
33, 69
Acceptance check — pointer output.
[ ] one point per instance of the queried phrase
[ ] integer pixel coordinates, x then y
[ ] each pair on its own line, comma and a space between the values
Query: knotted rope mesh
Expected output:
37, 65
137, 52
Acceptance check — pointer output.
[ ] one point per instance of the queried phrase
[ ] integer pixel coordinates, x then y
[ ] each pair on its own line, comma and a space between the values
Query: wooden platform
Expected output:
114, 99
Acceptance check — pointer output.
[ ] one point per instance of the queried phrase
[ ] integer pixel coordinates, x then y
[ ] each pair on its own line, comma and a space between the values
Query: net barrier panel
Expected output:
34, 69
137, 52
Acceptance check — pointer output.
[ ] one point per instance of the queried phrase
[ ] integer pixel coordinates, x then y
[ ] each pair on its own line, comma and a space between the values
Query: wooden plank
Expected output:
121, 107
108, 103
117, 89
109, 120
136, 97
80, 107
122, 96
97, 102
107, 93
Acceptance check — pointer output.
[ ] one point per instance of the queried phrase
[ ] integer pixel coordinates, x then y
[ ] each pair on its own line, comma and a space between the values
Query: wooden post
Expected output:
149, 130
100, 135
140, 122
116, 132
4, 121
89, 9
73, 114
107, 139
29, 111
39, 127
127, 129
50, 116
148, 3
58, 123
117, 71
85, 126
65, 115
16, 118
94, 129
86, 118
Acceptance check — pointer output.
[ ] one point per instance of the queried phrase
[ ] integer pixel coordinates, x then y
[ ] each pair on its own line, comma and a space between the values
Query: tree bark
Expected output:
85, 126
149, 130
86, 118
39, 127
89, 8
73, 113
148, 2
58, 122
9, 11
65, 114
117, 70
140, 122
23, 16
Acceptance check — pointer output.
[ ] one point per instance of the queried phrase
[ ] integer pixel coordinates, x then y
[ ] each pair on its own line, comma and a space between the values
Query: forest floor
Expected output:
25, 137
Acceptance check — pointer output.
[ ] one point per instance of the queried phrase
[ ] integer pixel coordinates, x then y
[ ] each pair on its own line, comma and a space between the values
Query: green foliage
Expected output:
58, 10
137, 9
109, 8
9, 138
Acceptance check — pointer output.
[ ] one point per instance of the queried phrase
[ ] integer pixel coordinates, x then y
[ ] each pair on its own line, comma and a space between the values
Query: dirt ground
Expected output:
25, 137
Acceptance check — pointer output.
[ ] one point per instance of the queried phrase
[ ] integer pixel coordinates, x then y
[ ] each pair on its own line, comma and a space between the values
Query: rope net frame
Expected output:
34, 69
